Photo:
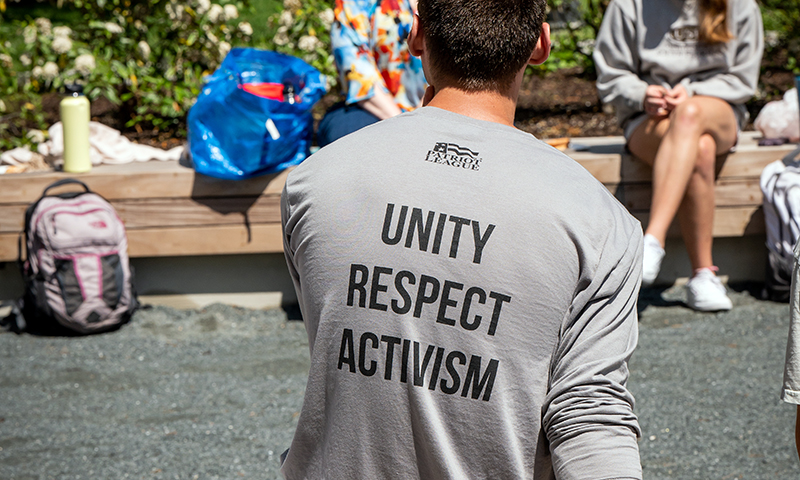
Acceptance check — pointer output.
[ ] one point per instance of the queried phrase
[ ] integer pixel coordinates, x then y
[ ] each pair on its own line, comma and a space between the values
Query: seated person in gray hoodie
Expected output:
469, 292
679, 73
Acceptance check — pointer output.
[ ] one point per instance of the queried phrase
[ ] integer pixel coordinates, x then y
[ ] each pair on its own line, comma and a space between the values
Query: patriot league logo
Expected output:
454, 155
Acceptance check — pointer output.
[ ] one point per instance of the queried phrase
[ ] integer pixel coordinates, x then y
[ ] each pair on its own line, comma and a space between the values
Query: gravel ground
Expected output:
214, 394
175, 394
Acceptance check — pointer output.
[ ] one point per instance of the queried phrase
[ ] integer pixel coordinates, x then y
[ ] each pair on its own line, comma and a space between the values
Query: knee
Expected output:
706, 156
687, 116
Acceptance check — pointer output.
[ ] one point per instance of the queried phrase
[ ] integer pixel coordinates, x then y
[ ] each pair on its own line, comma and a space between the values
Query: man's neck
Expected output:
483, 105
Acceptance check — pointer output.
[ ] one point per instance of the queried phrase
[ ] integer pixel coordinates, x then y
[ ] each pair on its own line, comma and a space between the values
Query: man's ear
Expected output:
542, 50
415, 38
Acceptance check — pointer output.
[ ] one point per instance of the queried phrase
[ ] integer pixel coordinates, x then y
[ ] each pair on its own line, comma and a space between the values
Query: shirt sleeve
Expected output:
588, 412
618, 81
287, 224
350, 39
739, 84
790, 393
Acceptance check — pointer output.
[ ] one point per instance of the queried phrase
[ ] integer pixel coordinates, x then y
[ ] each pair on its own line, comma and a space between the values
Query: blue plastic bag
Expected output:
234, 134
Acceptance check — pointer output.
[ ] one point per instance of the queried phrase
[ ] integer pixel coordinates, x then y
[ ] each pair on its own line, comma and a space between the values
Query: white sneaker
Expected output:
651, 260
706, 293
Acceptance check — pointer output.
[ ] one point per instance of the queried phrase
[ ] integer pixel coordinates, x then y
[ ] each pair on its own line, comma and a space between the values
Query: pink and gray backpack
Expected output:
77, 275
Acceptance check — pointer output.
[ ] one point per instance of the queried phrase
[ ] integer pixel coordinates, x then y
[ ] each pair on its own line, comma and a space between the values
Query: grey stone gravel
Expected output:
210, 394
707, 387
215, 394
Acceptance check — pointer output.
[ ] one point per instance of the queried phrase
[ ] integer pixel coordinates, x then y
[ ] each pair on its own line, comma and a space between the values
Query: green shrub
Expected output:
575, 25
782, 43
150, 56
303, 29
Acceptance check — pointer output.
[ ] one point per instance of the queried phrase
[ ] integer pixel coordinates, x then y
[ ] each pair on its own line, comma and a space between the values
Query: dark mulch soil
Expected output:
562, 104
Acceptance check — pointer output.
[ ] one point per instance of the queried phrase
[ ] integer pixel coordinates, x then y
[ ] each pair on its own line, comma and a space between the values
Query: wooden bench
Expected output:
170, 211
167, 209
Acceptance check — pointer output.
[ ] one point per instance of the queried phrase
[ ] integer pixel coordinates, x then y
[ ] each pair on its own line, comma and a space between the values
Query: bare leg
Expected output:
797, 430
681, 173
696, 212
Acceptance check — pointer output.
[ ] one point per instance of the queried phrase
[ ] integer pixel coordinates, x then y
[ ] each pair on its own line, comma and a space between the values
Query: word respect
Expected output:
457, 304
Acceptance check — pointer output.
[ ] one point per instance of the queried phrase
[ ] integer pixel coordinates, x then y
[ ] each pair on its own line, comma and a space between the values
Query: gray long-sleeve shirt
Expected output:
655, 42
470, 300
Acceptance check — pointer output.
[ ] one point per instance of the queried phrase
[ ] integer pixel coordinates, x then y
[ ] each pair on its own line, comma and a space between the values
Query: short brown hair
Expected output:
481, 44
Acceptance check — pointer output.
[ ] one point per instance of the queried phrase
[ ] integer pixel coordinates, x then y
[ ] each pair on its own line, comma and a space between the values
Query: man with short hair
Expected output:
469, 292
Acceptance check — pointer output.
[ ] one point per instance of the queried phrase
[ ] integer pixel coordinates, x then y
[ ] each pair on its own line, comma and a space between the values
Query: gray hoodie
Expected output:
654, 42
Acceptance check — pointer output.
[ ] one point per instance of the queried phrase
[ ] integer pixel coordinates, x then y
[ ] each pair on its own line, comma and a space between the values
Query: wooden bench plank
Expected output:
728, 193
206, 240
605, 159
188, 212
167, 242
141, 180
160, 212
728, 222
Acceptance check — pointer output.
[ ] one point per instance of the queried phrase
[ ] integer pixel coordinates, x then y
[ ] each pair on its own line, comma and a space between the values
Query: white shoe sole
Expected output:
718, 306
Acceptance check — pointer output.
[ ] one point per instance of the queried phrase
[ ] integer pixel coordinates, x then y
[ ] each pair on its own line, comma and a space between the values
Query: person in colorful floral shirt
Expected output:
379, 77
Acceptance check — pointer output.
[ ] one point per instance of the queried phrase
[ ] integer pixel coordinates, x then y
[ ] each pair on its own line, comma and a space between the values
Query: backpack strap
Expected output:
20, 264
23, 236
65, 181
791, 157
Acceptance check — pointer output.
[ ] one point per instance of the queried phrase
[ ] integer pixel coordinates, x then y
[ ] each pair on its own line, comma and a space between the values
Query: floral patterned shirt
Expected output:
371, 51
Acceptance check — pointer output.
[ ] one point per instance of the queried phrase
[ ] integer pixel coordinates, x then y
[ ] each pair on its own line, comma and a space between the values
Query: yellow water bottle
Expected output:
74, 110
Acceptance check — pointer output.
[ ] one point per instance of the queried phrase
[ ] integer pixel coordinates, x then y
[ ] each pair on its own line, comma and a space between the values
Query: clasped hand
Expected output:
659, 101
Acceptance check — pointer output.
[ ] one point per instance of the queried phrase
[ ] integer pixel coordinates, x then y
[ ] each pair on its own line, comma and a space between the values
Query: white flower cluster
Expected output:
174, 11
62, 45
62, 31
292, 5
772, 38
203, 6
309, 43
217, 13
143, 49
327, 17
224, 48
113, 28
29, 34
246, 28
44, 26
61, 41
231, 12
85, 63
281, 37
48, 72
212, 39
287, 19
6, 61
